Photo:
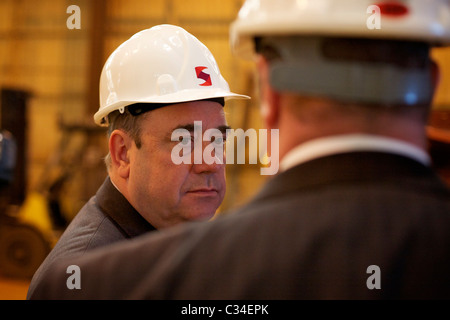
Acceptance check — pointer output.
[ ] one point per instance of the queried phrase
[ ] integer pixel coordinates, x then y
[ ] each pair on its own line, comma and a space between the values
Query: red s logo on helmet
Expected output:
204, 76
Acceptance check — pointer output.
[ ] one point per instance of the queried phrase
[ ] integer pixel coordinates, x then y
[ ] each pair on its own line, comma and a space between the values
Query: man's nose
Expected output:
212, 158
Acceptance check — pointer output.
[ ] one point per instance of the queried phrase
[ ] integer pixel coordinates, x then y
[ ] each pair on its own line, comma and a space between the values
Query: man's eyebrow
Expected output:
224, 128
190, 127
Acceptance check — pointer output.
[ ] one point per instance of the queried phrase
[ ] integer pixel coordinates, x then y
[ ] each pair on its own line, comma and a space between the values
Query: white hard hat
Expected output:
427, 21
163, 64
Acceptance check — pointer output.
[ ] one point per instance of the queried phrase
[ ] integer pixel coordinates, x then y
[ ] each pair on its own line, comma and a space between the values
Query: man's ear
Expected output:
270, 99
119, 145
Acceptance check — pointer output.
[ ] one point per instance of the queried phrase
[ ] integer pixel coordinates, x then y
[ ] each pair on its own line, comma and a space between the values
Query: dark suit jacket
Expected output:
105, 219
313, 232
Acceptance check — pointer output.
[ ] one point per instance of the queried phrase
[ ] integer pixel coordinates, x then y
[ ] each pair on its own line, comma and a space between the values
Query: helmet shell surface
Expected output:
416, 20
163, 64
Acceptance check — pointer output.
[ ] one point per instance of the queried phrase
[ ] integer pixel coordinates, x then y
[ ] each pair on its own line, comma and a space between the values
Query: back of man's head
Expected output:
327, 64
377, 75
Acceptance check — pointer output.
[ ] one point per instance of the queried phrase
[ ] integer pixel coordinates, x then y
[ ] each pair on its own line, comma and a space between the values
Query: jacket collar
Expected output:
351, 167
117, 207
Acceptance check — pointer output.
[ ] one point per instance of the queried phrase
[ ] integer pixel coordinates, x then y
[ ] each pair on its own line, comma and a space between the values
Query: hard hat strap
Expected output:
354, 82
300, 64
140, 108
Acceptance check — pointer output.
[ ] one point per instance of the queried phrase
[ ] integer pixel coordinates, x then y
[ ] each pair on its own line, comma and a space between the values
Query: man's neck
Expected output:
326, 146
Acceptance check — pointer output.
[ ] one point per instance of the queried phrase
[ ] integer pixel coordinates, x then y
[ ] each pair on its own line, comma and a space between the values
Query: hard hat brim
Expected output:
178, 97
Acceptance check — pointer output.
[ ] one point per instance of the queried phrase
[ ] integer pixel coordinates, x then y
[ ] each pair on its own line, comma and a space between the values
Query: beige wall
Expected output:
38, 53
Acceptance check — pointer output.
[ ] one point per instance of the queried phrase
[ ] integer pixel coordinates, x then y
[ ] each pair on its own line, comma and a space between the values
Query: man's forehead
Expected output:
188, 116
189, 112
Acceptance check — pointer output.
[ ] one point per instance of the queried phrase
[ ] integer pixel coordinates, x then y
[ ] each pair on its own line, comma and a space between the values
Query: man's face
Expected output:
165, 193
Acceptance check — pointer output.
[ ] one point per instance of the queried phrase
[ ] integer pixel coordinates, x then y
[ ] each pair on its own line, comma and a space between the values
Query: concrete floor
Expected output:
13, 289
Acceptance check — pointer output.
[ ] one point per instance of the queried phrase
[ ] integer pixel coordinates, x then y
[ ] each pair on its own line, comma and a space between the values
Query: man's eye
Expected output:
219, 140
185, 140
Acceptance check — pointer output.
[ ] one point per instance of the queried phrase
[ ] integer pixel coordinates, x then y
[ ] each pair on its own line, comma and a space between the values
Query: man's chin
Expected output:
201, 208
201, 216
204, 213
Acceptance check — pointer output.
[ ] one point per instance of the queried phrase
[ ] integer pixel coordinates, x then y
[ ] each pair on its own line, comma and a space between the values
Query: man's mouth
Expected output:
204, 192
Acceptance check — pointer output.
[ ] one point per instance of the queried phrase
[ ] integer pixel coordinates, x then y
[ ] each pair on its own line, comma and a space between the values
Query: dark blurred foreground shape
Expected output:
438, 132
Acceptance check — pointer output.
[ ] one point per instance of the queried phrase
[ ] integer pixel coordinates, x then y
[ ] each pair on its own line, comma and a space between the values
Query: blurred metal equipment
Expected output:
13, 116
22, 248
77, 154
8, 151
23, 243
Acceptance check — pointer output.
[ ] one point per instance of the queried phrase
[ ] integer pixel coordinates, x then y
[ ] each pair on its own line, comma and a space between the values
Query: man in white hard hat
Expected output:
356, 212
160, 80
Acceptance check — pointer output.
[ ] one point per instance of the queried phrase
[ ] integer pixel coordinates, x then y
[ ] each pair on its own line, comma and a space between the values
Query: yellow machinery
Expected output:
24, 242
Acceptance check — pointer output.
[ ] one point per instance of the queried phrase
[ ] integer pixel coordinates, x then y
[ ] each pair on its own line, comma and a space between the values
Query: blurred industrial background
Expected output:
49, 77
